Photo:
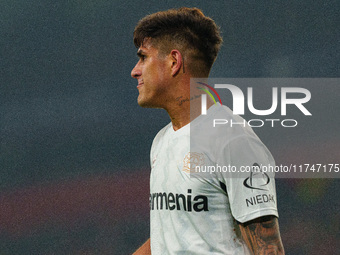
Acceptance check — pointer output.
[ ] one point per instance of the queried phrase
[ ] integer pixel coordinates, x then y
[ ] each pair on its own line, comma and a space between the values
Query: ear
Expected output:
177, 62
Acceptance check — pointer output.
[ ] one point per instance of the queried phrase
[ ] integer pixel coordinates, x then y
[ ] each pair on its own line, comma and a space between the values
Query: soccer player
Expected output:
213, 215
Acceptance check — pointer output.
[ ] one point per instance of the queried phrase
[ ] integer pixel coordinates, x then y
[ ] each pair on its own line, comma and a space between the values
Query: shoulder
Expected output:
161, 136
221, 126
162, 133
234, 140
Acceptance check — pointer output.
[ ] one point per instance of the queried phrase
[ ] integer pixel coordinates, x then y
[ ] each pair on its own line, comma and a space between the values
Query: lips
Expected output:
140, 84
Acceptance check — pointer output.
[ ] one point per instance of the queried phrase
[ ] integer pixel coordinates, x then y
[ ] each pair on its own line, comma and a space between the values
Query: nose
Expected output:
136, 72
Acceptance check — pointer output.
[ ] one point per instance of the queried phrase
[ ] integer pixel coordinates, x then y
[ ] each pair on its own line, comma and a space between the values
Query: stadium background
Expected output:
74, 143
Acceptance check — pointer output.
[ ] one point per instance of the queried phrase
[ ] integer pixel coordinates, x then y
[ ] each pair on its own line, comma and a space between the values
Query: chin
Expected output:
147, 104
143, 103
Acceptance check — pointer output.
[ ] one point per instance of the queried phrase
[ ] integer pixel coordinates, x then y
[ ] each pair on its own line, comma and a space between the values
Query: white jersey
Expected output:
200, 215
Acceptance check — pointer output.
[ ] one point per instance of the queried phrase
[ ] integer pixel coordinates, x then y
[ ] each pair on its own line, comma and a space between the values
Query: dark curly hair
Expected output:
196, 36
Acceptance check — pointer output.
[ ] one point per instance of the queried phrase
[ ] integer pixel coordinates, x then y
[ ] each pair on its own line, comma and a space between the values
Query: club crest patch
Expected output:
191, 160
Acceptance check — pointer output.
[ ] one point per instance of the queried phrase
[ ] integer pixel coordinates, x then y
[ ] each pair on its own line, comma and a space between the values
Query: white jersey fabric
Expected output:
198, 215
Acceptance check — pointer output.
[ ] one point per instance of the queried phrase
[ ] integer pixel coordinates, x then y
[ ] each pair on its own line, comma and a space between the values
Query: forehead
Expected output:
147, 46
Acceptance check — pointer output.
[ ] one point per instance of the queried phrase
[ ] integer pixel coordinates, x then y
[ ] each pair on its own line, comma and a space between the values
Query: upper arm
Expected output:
145, 249
262, 235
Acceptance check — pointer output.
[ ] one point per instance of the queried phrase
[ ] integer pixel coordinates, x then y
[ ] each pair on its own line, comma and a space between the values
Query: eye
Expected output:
142, 57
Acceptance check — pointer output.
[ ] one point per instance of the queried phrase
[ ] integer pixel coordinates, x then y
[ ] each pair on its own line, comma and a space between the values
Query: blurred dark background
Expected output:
74, 144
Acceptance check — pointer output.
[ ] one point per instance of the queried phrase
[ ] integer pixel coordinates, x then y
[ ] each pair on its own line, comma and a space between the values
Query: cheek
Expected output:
162, 72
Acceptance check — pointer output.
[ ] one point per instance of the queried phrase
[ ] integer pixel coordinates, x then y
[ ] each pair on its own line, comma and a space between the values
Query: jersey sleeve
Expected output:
249, 184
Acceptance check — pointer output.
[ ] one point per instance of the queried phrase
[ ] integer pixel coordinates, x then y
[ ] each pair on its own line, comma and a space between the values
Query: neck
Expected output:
185, 104
185, 109
180, 113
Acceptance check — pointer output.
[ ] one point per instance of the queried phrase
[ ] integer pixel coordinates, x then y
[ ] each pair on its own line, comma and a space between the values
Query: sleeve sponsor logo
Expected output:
257, 180
260, 199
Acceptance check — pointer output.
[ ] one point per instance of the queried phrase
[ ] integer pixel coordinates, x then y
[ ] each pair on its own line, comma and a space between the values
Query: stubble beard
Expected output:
145, 103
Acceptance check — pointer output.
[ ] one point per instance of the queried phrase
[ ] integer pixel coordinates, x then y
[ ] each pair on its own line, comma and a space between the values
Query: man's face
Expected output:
152, 72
